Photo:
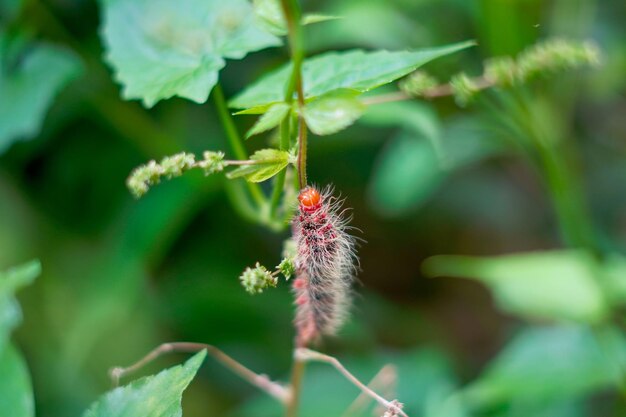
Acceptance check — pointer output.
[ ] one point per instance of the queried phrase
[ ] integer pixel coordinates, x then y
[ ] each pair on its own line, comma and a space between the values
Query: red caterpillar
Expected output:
325, 265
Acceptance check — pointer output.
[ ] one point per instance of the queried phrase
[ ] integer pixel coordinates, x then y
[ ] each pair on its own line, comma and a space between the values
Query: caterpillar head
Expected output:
309, 198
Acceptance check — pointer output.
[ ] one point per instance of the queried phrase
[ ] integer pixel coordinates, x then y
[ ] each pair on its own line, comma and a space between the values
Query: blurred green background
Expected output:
121, 276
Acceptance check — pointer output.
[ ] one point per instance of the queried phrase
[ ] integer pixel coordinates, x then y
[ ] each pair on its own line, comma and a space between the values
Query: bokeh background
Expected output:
121, 276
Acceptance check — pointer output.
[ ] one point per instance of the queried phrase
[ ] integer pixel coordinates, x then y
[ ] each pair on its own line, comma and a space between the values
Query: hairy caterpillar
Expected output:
325, 264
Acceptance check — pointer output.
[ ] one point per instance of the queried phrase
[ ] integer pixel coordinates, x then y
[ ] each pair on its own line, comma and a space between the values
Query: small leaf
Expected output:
28, 89
544, 364
270, 163
160, 48
275, 114
255, 110
310, 19
270, 16
154, 396
16, 391
333, 112
353, 70
12, 280
558, 285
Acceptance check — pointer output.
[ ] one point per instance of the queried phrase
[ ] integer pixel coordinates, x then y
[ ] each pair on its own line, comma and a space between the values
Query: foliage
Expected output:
154, 396
528, 169
16, 393
161, 49
351, 70
31, 75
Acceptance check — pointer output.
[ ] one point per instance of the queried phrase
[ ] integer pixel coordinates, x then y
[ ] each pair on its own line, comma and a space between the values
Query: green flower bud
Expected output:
418, 83
256, 279
502, 71
464, 88
287, 267
213, 162
175, 165
143, 177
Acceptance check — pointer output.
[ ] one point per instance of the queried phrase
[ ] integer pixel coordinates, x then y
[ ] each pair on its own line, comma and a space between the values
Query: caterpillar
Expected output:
325, 264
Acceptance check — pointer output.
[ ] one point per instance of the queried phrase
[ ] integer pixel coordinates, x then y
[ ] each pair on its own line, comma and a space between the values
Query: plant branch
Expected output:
234, 140
307, 355
262, 382
442, 90
292, 13
385, 378
295, 387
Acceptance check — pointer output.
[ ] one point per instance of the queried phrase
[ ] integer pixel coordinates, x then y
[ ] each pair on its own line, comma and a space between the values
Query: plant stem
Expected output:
297, 373
304, 354
274, 389
234, 140
292, 13
279, 184
442, 90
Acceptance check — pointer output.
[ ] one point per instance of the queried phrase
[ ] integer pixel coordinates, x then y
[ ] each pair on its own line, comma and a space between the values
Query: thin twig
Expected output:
307, 355
274, 389
386, 377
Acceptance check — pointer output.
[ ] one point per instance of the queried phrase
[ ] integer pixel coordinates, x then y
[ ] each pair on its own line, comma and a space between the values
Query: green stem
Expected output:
292, 13
235, 141
279, 185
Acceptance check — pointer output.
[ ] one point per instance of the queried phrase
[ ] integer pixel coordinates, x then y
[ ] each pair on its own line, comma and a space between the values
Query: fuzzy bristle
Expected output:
324, 265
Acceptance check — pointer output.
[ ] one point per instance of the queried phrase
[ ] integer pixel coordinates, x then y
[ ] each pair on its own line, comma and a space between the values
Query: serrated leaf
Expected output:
161, 48
353, 70
275, 114
159, 395
333, 112
11, 281
544, 364
29, 81
270, 163
16, 392
557, 285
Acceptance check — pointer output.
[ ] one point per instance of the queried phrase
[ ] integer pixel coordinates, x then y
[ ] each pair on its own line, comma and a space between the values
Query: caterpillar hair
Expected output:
325, 264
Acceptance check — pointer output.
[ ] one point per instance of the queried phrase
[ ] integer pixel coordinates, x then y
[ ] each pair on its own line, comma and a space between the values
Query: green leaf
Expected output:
310, 19
559, 285
12, 280
160, 48
269, 14
30, 78
544, 364
16, 392
269, 163
332, 112
275, 114
353, 70
159, 395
